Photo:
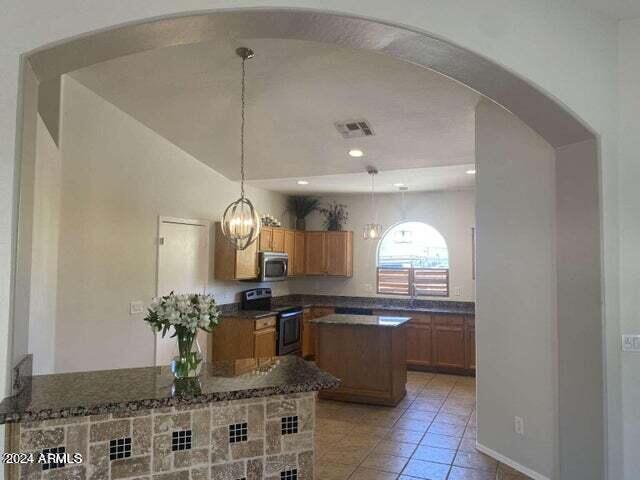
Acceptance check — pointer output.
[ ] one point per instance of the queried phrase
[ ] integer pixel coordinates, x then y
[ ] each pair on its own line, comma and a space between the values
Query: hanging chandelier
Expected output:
241, 221
372, 230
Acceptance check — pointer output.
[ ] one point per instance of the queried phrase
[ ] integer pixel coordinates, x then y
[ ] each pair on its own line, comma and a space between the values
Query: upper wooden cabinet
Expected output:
290, 249
277, 240
265, 242
232, 264
329, 253
297, 264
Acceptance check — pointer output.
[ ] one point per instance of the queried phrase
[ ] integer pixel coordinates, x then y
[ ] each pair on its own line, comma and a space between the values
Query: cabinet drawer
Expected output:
265, 323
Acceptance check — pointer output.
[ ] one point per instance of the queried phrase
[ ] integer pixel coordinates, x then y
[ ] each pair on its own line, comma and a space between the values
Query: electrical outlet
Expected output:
518, 425
136, 308
457, 291
631, 343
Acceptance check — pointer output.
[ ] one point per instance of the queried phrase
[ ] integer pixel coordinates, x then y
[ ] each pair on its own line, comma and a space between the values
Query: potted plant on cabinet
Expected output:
335, 216
301, 206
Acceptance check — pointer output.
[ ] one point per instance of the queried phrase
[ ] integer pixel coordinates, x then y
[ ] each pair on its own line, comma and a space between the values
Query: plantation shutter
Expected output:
394, 281
431, 282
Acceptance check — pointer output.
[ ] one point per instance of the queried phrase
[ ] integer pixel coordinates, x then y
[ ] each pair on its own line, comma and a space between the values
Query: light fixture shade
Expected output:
372, 231
241, 223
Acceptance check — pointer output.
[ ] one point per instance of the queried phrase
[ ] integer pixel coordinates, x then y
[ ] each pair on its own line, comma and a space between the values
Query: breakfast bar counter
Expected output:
367, 353
250, 419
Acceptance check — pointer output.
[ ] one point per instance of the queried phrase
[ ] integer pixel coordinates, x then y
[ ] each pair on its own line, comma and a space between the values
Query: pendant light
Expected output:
372, 230
403, 235
241, 221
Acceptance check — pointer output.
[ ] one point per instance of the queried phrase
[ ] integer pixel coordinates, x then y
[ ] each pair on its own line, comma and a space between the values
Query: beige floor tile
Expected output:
426, 470
412, 424
392, 447
452, 419
470, 432
434, 454
440, 441
419, 415
467, 445
386, 463
357, 440
329, 471
446, 429
345, 455
407, 436
363, 473
458, 473
475, 460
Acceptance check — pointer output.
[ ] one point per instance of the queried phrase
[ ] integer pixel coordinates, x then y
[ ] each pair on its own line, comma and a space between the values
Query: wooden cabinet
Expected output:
290, 249
277, 240
449, 342
308, 329
297, 264
265, 241
329, 253
315, 253
420, 341
338, 253
238, 338
232, 264
470, 344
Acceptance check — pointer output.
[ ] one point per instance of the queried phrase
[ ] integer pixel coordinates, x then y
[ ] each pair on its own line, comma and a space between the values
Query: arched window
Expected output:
413, 259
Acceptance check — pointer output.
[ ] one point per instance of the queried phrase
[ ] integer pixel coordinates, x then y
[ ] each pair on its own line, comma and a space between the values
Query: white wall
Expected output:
629, 134
568, 52
451, 213
44, 263
515, 294
117, 178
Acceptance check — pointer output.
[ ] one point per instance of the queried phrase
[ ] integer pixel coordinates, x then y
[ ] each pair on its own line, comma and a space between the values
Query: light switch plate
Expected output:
631, 343
136, 308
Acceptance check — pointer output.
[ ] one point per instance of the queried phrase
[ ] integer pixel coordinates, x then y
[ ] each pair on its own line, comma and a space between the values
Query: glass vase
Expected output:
188, 363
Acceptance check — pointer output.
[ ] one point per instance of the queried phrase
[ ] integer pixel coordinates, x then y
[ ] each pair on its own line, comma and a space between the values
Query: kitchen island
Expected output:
367, 353
250, 419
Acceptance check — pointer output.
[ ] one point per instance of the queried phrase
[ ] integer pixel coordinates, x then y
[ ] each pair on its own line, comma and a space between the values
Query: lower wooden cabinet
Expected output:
308, 329
470, 344
419, 341
238, 338
449, 343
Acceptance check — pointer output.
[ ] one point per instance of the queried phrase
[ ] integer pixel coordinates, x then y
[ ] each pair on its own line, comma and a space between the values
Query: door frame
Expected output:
159, 242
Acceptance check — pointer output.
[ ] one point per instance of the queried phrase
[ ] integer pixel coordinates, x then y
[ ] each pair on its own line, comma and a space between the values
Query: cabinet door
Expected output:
264, 343
419, 341
247, 262
448, 345
338, 252
470, 347
318, 312
266, 237
277, 240
290, 249
315, 253
297, 265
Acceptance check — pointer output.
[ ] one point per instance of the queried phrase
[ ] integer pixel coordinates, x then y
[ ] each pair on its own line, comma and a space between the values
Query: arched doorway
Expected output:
42, 71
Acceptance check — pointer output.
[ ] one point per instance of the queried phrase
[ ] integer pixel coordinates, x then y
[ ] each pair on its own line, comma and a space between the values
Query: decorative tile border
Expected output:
264, 451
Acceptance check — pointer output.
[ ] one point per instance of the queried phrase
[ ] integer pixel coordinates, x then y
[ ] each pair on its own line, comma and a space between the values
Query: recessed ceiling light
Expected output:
303, 182
398, 184
356, 153
471, 172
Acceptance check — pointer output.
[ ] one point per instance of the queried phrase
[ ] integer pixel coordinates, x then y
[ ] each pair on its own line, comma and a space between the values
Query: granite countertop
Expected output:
131, 389
249, 314
379, 303
364, 320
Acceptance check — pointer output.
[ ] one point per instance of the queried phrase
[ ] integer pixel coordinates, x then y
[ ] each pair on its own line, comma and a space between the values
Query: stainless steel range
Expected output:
289, 323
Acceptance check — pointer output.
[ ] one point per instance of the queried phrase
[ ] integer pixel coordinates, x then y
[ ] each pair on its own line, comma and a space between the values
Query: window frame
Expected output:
411, 289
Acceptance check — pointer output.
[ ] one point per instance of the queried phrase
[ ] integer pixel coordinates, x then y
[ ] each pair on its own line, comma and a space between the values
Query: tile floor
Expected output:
429, 435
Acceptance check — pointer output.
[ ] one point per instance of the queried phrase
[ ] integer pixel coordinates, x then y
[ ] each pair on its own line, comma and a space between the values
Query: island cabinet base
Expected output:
369, 361
252, 439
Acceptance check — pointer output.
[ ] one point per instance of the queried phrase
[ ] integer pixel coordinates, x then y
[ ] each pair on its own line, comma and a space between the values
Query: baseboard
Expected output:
507, 461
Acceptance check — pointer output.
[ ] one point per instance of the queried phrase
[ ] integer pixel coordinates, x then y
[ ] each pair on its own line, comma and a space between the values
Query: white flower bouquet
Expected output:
186, 314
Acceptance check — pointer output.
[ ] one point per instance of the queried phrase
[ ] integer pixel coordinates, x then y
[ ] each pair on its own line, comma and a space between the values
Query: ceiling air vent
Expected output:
354, 128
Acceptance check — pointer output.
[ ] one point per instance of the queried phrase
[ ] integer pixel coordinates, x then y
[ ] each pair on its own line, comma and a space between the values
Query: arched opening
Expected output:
557, 126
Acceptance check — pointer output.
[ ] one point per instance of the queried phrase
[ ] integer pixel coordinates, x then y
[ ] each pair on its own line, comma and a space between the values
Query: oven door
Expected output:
289, 333
273, 266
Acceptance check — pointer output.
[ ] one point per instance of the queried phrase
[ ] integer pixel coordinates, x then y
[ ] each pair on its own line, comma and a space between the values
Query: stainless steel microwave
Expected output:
274, 266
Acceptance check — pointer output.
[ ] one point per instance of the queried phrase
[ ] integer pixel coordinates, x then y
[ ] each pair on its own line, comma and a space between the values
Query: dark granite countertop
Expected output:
249, 314
361, 320
379, 303
131, 389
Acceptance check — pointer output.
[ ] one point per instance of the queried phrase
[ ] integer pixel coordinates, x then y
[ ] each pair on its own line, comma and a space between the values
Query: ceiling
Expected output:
296, 91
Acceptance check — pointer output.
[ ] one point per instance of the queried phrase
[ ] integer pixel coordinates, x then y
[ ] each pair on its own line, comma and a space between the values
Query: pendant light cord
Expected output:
242, 132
